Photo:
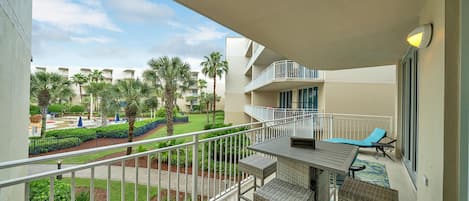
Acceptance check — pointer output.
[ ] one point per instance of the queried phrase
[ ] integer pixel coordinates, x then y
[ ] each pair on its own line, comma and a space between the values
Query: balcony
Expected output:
279, 72
202, 167
268, 113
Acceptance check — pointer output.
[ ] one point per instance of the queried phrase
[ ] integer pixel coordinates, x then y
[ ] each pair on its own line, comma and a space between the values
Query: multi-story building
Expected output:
262, 85
190, 98
110, 74
431, 103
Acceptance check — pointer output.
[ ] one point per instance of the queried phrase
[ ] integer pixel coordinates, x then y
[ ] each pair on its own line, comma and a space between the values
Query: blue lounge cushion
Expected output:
374, 137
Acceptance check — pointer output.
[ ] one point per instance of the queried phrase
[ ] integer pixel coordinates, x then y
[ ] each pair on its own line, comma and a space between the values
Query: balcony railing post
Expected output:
195, 166
331, 121
294, 126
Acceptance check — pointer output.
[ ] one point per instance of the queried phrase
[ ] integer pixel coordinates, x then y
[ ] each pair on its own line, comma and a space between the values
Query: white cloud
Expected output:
203, 34
71, 16
140, 10
101, 40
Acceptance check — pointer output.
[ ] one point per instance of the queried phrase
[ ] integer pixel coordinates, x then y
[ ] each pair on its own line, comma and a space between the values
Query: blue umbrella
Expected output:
80, 122
117, 117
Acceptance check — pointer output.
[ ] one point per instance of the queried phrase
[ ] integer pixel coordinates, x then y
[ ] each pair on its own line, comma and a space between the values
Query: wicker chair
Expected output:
257, 166
279, 190
355, 190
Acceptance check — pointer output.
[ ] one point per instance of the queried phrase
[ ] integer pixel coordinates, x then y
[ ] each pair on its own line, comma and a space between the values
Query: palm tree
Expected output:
94, 76
172, 75
201, 85
79, 79
62, 92
108, 98
44, 88
152, 104
132, 91
213, 66
204, 103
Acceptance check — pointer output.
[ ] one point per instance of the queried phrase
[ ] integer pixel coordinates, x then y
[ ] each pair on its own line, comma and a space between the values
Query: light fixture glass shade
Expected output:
421, 36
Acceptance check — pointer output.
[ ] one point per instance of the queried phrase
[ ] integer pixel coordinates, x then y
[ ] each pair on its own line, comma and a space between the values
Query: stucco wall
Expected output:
431, 106
15, 56
235, 80
359, 98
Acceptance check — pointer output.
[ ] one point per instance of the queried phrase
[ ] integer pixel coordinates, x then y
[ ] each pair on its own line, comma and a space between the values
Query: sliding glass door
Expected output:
308, 98
410, 112
285, 99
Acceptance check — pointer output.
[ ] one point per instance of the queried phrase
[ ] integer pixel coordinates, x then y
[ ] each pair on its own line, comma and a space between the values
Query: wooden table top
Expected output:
327, 156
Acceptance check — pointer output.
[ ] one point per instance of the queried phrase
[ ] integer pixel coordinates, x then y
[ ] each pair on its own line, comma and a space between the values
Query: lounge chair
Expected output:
372, 141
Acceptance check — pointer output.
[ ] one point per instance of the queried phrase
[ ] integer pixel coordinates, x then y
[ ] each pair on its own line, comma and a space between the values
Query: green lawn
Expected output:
115, 188
196, 123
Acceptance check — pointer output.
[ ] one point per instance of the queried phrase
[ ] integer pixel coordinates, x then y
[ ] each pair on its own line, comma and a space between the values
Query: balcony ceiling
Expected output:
324, 34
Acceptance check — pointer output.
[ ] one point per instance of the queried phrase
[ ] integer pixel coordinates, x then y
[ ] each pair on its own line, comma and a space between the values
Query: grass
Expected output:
116, 188
196, 123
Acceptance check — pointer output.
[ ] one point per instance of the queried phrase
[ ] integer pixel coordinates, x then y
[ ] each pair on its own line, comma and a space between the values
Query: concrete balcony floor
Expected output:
397, 174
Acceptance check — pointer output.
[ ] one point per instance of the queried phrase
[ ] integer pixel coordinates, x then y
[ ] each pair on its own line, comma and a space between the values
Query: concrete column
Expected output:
15, 58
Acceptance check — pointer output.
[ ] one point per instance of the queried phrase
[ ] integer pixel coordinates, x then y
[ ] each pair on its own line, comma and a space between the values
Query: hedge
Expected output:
77, 109
65, 138
42, 145
84, 134
111, 131
34, 109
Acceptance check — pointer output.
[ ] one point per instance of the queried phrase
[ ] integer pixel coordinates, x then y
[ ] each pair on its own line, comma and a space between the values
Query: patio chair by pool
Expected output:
372, 141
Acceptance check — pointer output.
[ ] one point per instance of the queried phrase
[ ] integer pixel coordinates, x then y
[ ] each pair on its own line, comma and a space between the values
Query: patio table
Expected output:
309, 168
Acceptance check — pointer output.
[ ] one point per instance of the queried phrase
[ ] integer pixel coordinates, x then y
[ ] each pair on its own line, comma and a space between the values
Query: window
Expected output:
285, 99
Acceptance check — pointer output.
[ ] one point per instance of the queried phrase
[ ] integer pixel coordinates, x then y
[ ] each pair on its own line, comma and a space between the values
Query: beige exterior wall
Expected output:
359, 98
15, 56
235, 81
431, 106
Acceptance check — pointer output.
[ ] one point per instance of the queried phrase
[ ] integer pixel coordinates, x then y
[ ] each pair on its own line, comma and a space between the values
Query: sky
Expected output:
121, 33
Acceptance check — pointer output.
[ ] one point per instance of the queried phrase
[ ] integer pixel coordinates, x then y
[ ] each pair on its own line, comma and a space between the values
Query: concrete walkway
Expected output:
165, 178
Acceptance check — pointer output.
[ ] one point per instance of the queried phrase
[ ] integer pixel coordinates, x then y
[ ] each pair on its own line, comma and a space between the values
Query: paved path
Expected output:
101, 172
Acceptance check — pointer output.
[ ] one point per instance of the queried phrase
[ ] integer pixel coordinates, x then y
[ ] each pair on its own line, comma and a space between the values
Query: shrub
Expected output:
34, 109
83, 196
141, 149
84, 134
217, 125
220, 146
39, 190
162, 112
42, 145
56, 108
77, 109
173, 157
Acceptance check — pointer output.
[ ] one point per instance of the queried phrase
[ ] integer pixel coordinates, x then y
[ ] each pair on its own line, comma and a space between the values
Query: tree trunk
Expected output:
43, 121
81, 94
206, 111
169, 112
103, 118
214, 98
91, 107
131, 133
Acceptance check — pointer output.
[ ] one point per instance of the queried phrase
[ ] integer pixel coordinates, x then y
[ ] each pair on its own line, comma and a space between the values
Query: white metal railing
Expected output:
351, 126
284, 70
206, 162
262, 113
202, 167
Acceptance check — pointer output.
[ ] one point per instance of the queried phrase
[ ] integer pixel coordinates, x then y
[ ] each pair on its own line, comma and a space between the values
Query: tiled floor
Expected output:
397, 174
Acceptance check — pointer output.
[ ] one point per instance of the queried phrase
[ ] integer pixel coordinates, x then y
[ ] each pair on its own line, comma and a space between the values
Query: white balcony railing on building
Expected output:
284, 70
352, 126
269, 113
203, 167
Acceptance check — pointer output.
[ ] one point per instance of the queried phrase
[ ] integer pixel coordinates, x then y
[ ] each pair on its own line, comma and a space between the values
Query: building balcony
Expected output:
261, 113
284, 74
200, 168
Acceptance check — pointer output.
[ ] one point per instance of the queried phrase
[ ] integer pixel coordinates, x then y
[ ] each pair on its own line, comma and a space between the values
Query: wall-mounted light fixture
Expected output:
421, 36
